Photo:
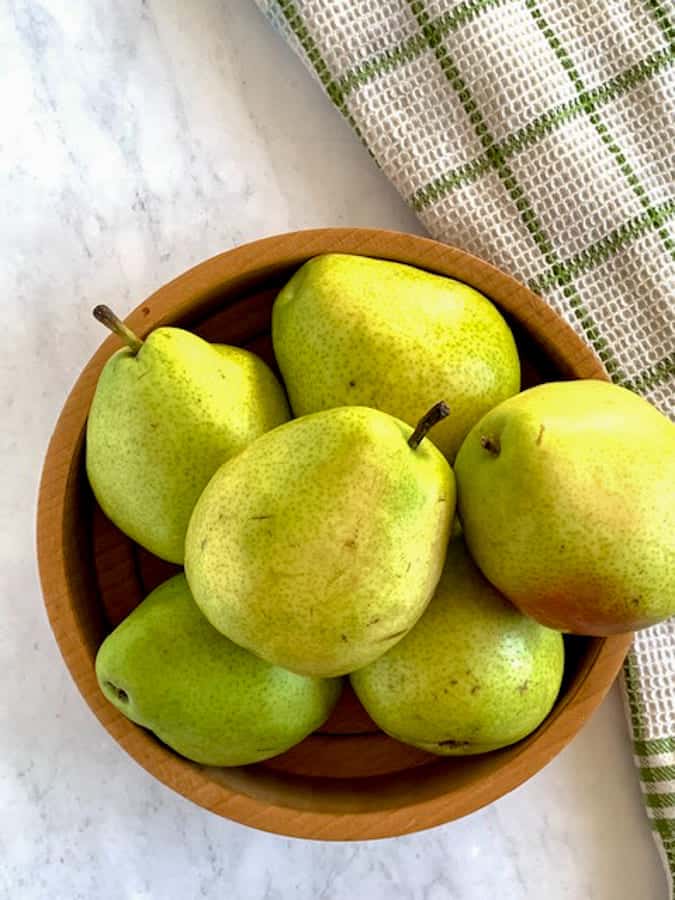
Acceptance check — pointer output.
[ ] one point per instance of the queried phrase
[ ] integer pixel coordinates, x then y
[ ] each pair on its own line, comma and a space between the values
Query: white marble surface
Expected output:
136, 138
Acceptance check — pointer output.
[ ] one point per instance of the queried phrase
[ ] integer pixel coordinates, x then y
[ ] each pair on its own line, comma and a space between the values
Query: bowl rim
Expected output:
183, 297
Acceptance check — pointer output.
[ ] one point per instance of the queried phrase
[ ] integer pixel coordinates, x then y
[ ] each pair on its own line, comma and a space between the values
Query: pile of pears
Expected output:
420, 525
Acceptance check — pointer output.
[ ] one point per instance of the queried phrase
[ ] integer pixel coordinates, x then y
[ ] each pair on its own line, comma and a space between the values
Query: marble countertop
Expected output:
137, 138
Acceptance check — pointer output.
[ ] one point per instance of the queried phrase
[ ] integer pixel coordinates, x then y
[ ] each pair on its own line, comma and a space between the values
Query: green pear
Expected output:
167, 412
350, 331
319, 546
167, 669
473, 675
567, 498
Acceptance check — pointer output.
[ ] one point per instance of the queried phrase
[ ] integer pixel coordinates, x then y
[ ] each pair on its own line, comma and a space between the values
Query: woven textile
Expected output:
540, 135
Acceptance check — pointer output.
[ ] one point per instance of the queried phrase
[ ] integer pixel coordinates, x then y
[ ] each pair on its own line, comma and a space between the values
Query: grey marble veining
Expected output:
138, 137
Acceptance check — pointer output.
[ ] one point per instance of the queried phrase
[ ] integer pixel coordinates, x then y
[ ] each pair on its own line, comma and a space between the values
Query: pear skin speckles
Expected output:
350, 330
574, 518
474, 674
162, 421
166, 668
325, 540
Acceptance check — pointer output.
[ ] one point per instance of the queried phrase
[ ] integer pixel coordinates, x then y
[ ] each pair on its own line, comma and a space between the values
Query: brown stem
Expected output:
107, 317
433, 417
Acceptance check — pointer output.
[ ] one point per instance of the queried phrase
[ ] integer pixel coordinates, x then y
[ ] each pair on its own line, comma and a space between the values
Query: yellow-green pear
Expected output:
350, 330
567, 498
319, 545
473, 675
167, 412
167, 669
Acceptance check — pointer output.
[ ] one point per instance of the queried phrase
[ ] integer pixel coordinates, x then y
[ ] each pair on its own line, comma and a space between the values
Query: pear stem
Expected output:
107, 317
437, 412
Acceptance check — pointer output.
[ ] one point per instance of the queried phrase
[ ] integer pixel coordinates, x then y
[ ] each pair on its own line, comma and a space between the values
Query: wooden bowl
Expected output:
348, 781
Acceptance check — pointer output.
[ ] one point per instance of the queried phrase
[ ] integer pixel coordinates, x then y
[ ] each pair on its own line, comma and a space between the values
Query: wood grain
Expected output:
348, 781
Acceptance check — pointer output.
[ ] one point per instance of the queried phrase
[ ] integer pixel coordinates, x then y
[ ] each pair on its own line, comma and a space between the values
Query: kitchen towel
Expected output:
540, 135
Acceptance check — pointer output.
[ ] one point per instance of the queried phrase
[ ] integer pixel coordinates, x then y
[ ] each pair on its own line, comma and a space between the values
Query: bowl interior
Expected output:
348, 779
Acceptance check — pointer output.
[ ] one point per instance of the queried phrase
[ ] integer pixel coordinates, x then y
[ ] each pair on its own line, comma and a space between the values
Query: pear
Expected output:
319, 545
167, 669
349, 331
167, 412
473, 675
567, 497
